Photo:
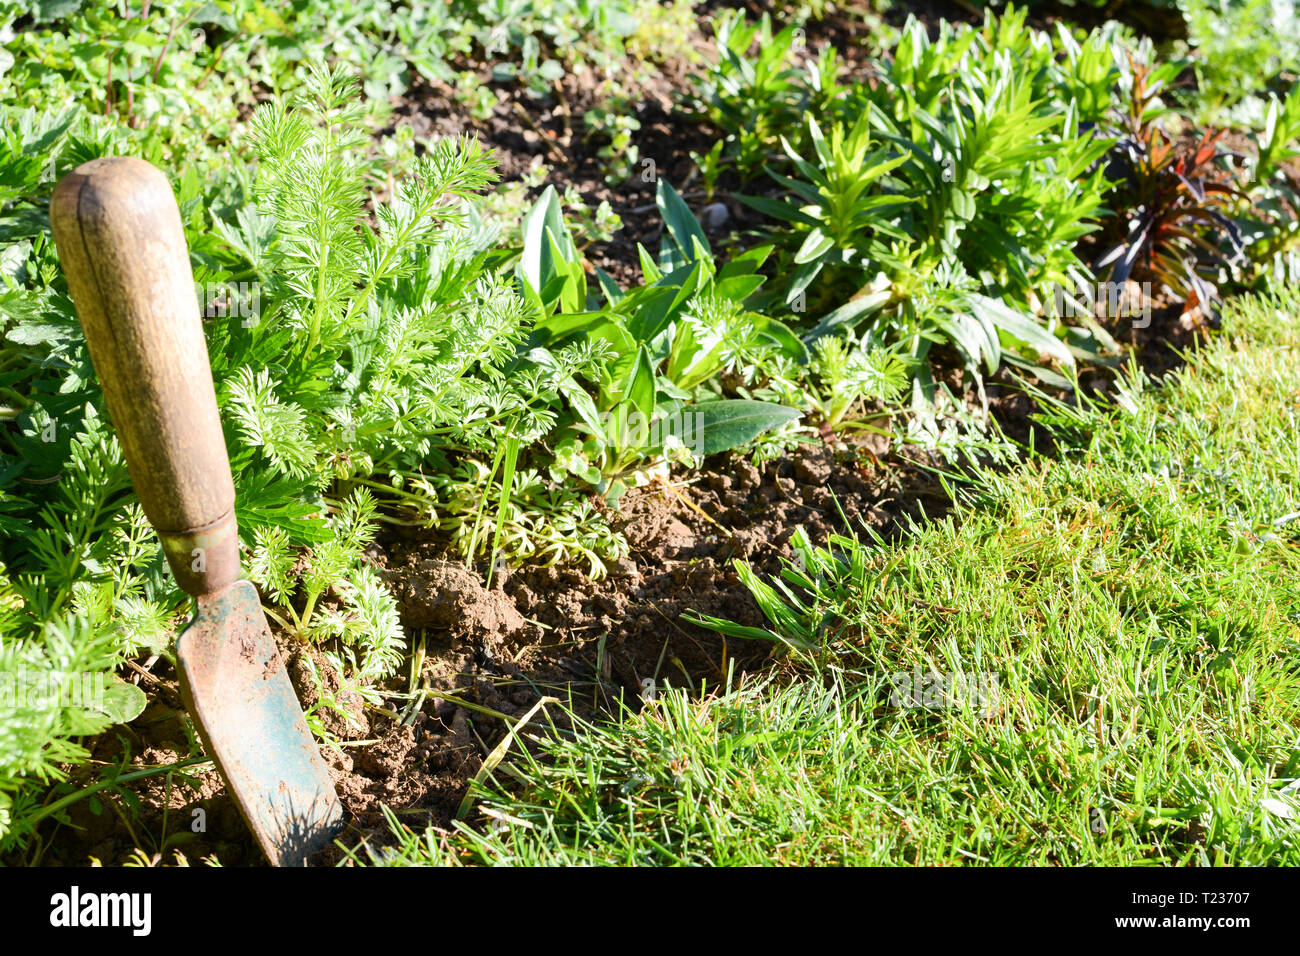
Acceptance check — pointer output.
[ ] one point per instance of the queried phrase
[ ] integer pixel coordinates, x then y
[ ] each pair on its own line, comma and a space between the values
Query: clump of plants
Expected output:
1234, 44
366, 351
756, 91
1172, 227
656, 350
939, 206
1265, 216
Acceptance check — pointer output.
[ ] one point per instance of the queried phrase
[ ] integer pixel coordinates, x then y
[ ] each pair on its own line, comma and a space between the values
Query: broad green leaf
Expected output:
682, 228
851, 311
650, 272
1021, 327
122, 702
815, 245
720, 426
782, 211
554, 328
537, 264
739, 288
641, 389
613, 294
780, 335
654, 313
747, 263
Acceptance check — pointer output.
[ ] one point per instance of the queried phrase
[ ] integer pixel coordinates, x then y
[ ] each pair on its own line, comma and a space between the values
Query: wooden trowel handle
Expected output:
122, 247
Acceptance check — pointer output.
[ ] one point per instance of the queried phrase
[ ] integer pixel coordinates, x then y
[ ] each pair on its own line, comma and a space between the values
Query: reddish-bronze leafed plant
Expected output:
1171, 224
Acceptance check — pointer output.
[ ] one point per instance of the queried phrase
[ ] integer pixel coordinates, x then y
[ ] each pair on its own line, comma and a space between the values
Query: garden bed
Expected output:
485, 646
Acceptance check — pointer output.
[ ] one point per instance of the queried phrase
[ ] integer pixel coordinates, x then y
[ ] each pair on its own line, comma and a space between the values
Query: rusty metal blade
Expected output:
235, 686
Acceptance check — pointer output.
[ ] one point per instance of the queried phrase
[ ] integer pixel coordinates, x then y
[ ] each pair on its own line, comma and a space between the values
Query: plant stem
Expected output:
32, 821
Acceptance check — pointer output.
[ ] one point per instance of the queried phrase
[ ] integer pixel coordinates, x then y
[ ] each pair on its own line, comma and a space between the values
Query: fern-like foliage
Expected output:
384, 343
337, 597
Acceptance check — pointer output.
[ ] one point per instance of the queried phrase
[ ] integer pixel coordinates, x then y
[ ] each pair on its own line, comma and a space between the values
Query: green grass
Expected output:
1135, 597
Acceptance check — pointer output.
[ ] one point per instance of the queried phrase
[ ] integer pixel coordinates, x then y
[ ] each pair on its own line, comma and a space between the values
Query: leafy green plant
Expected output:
1280, 139
1231, 54
946, 199
754, 101
534, 41
148, 70
843, 220
612, 123
91, 592
540, 522
393, 344
845, 373
1265, 216
656, 347
903, 253
56, 688
376, 347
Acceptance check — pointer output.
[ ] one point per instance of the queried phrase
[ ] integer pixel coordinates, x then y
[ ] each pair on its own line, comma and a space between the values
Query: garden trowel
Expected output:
122, 246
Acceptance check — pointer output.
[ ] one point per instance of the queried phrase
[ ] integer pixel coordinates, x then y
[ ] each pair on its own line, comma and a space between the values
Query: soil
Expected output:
524, 128
540, 631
